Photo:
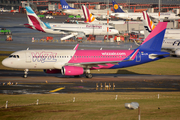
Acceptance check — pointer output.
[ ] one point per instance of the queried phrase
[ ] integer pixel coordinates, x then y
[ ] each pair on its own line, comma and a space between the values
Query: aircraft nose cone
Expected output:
5, 62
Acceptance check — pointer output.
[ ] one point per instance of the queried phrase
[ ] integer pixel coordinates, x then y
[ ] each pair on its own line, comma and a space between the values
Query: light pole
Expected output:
107, 18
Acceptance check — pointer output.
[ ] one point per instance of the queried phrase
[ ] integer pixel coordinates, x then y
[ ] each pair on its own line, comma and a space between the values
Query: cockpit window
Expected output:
14, 56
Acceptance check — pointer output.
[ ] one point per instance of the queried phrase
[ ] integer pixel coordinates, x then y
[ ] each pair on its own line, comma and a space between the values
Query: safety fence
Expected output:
76, 99
83, 41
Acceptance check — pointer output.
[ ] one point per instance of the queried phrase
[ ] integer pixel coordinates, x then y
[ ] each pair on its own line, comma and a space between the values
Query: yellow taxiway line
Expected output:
58, 89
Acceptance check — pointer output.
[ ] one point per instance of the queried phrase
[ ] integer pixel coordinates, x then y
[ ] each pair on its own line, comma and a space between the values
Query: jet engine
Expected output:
72, 70
52, 71
177, 52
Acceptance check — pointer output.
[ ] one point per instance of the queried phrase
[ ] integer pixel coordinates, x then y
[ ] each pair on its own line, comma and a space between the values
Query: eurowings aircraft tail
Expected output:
148, 24
65, 5
117, 9
88, 15
34, 22
154, 40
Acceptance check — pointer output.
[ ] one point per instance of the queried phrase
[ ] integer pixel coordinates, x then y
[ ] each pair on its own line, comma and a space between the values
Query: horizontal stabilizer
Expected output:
154, 56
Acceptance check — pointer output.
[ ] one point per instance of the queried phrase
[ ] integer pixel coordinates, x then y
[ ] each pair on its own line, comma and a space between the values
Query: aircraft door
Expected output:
28, 57
138, 57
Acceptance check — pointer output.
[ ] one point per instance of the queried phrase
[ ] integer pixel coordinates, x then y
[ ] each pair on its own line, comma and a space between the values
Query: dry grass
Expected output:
93, 106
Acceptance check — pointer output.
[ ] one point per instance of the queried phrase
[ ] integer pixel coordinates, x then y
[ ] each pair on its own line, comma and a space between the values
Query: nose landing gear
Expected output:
25, 73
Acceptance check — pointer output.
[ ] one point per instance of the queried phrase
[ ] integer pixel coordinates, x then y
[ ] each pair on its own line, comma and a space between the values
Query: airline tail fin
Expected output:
34, 21
117, 9
87, 14
154, 40
65, 5
148, 24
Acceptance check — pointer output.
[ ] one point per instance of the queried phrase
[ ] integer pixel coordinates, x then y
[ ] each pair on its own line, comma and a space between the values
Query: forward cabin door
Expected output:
28, 57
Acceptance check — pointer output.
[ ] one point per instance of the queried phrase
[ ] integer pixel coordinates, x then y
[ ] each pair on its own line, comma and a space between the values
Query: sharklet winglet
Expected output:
76, 47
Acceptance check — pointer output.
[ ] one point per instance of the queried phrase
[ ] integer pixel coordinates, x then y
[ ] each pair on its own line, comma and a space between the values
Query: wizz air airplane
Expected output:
170, 45
66, 28
72, 11
89, 18
77, 62
138, 16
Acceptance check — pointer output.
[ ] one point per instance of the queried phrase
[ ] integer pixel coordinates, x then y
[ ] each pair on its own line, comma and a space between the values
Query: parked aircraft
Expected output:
77, 62
138, 16
67, 28
89, 18
170, 45
72, 11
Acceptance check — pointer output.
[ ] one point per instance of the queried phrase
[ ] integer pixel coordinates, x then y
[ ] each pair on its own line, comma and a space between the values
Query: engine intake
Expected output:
72, 70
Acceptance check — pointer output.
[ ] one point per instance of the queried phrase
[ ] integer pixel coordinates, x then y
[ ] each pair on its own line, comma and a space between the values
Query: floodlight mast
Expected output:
107, 18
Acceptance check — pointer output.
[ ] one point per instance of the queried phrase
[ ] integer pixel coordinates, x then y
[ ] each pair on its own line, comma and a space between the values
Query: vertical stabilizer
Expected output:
34, 20
148, 24
87, 14
65, 5
116, 7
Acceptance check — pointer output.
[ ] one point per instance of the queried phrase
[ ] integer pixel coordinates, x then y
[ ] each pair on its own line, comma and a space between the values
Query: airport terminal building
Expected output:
42, 4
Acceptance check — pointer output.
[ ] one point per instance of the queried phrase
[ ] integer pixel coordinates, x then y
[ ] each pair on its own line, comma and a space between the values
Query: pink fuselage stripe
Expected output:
83, 56
36, 23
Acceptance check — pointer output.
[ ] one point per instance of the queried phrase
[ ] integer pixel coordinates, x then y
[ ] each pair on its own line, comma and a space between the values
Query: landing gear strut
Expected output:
26, 73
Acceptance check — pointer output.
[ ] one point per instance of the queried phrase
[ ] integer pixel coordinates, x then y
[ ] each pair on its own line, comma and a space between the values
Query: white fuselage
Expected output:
35, 59
104, 22
172, 34
171, 44
96, 13
87, 29
135, 16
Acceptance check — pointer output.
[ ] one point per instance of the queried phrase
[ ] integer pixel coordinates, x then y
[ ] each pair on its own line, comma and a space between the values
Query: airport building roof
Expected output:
170, 2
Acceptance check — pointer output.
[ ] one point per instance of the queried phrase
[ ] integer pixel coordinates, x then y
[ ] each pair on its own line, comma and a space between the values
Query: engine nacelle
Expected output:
177, 52
52, 71
72, 70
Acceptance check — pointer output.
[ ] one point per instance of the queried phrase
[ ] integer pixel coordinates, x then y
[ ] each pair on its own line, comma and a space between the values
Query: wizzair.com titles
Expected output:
114, 53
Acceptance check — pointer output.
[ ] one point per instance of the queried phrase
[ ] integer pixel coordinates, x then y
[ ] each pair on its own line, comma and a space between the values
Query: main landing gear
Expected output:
88, 74
25, 73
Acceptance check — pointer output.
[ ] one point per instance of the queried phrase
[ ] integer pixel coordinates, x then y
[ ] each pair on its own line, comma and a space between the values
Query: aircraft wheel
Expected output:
88, 75
25, 76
